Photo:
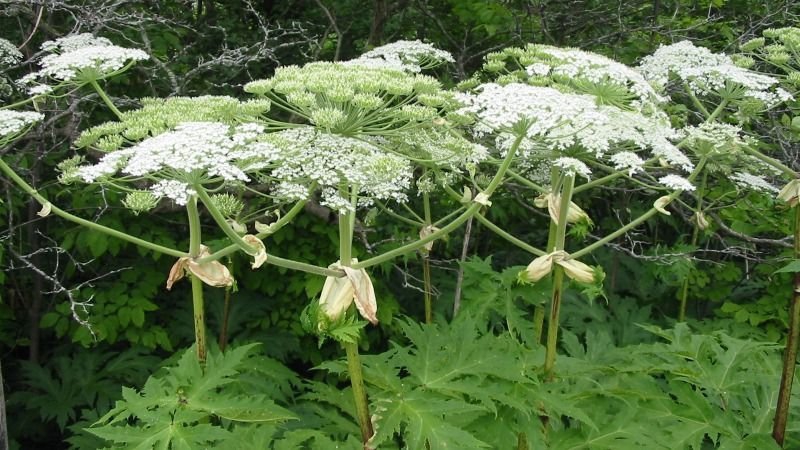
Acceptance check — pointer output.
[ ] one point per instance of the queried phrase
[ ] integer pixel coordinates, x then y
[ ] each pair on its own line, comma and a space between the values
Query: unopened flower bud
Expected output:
140, 201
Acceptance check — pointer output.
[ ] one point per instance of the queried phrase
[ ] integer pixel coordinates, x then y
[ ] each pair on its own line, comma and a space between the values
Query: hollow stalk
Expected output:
426, 262
695, 236
790, 353
354, 369
558, 276
197, 285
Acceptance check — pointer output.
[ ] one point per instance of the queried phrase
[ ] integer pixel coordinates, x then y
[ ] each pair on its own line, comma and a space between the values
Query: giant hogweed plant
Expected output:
575, 114
330, 137
351, 134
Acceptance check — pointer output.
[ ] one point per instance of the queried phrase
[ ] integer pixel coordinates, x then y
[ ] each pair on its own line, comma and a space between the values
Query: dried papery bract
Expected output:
260, 256
212, 273
338, 293
543, 266
552, 202
661, 204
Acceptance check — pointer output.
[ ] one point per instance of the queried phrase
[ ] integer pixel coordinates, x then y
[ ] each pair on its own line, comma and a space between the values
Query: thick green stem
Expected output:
426, 263
558, 277
695, 237
28, 189
303, 267
792, 342
359, 393
222, 223
197, 285
426, 275
469, 212
106, 99
552, 323
346, 223
198, 311
345, 243
538, 310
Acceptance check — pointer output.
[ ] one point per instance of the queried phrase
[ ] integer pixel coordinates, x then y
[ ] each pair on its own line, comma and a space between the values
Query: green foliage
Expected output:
175, 410
86, 379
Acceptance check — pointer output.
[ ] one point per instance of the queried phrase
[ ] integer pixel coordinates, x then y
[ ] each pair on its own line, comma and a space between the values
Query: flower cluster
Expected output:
9, 55
611, 82
159, 115
13, 122
331, 162
82, 58
756, 183
193, 153
708, 73
572, 166
676, 182
352, 99
561, 122
440, 147
406, 56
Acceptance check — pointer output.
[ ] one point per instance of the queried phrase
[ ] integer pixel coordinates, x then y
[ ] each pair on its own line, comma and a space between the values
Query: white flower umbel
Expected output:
441, 147
82, 58
352, 99
676, 182
176, 190
581, 66
572, 166
408, 56
158, 115
753, 182
195, 152
13, 122
557, 122
627, 161
707, 73
332, 162
715, 134
9, 55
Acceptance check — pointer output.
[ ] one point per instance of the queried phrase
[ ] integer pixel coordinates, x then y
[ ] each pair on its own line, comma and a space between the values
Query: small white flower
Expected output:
676, 182
12, 122
581, 65
627, 161
406, 56
557, 121
176, 190
82, 57
706, 72
309, 156
572, 166
753, 182
539, 69
9, 55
